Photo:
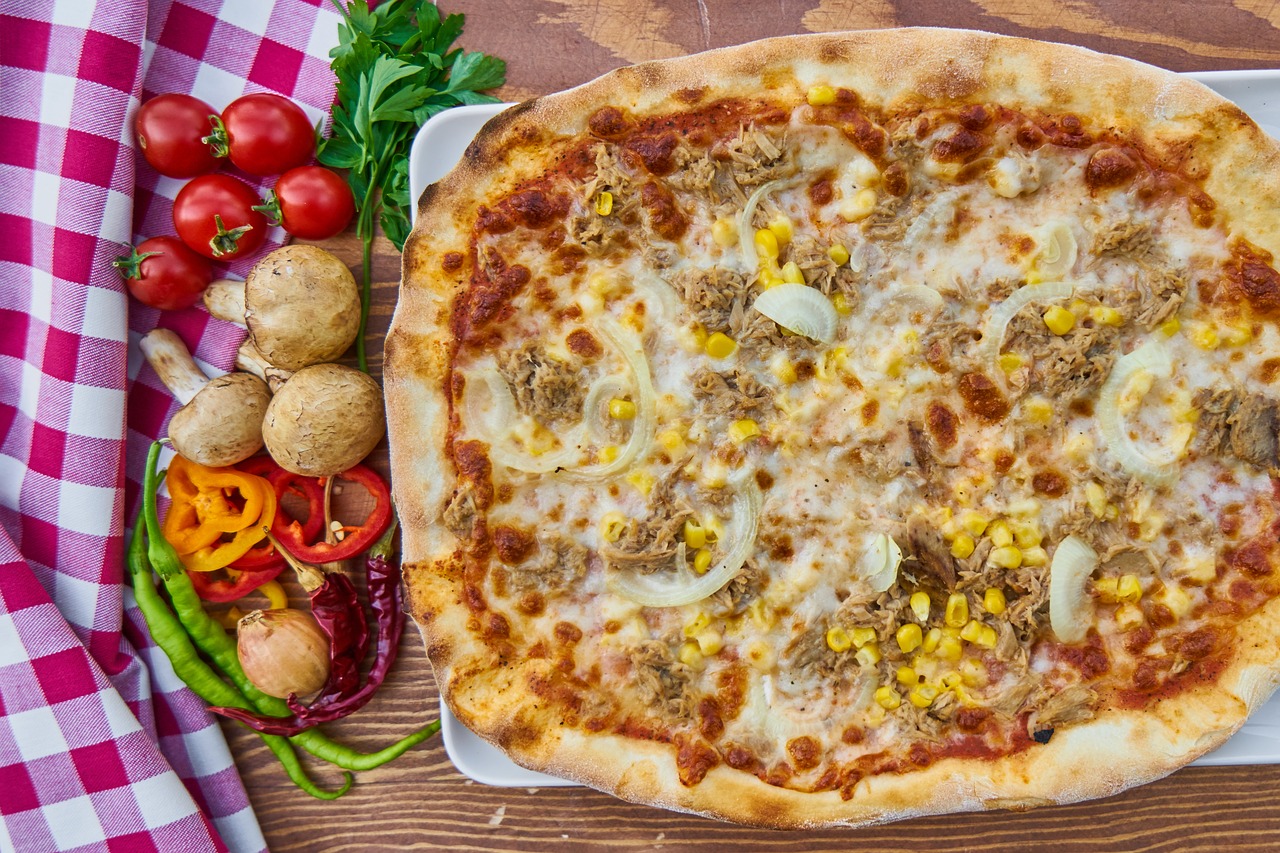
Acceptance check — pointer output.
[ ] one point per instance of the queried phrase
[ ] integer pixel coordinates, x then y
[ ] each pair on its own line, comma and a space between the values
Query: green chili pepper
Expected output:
172, 639
211, 638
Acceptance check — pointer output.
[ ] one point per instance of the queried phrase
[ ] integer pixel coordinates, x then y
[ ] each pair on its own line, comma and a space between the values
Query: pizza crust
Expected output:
1240, 168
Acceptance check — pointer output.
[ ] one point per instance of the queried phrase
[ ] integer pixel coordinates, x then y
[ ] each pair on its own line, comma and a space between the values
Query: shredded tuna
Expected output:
662, 681
822, 272
737, 394
732, 599
755, 157
562, 562
1066, 366
710, 295
930, 553
1242, 425
460, 515
1128, 240
547, 389
651, 544
1073, 704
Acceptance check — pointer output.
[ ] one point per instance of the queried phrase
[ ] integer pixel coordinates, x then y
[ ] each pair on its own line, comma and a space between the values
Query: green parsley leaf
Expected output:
396, 67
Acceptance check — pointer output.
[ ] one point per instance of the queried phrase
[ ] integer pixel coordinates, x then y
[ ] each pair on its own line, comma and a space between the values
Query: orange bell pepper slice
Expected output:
202, 512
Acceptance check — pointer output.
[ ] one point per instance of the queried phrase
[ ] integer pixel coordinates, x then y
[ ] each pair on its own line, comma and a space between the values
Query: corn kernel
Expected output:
757, 612
612, 526
909, 637
957, 612
696, 624
1170, 327
1235, 336
862, 636
770, 274
720, 345
887, 698
994, 602
607, 454
841, 303
1008, 557
622, 410
672, 442
791, 273
1107, 589
974, 522
1037, 410
869, 655
1001, 535
859, 207
709, 641
821, 95
725, 232
1128, 617
952, 680
962, 546
1034, 557
973, 673
1106, 315
690, 654
766, 243
781, 228
907, 675
971, 631
1096, 497
743, 430
838, 639
701, 561
931, 640
759, 655
920, 605
922, 695
988, 637
1205, 337
642, 480
1129, 589
1026, 534
695, 535
602, 284
1011, 361
1078, 448
1059, 320
1200, 570
838, 254
950, 648
1176, 599
604, 203
783, 370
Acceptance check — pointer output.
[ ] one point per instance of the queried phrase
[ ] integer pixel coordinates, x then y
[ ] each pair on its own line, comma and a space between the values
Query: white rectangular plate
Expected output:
439, 146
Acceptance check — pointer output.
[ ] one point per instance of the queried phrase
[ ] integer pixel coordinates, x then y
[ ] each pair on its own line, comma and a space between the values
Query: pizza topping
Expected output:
1129, 382
800, 309
993, 333
546, 388
1069, 607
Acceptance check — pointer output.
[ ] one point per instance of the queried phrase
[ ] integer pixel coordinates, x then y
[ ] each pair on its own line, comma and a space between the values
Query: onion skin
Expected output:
283, 652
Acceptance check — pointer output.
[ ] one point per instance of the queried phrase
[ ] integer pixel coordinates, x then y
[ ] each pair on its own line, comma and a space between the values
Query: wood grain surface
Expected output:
421, 802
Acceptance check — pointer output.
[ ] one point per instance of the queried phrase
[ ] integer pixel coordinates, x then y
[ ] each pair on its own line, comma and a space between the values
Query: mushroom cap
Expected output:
302, 306
222, 425
325, 419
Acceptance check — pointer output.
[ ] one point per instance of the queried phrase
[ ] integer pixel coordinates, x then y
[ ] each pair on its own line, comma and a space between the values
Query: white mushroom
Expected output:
250, 360
220, 422
325, 419
300, 303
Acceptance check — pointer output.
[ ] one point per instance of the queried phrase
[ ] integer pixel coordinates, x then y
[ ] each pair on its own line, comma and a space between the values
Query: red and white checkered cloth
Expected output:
100, 746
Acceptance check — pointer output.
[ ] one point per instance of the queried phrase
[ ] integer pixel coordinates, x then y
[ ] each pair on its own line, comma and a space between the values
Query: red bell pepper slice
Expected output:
310, 547
310, 489
236, 585
259, 558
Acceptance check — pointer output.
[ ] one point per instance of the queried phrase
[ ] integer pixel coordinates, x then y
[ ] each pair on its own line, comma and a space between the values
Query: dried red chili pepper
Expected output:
298, 541
335, 702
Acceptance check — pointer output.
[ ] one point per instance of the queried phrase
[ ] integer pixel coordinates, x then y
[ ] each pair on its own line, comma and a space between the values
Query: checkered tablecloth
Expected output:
100, 746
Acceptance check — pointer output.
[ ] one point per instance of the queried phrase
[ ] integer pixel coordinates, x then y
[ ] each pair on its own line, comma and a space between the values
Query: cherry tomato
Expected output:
214, 215
311, 202
171, 130
163, 273
265, 134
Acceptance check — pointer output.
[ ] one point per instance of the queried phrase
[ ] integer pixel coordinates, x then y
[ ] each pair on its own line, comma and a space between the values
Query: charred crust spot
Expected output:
740, 758
943, 425
534, 209
1252, 560
664, 215
1030, 136
694, 760
764, 479
870, 411
1049, 483
804, 751
853, 735
1109, 167
862, 132
474, 598
567, 633
513, 545
531, 603
690, 95
975, 117
971, 719
492, 221
1251, 275
608, 122
1198, 644
896, 180
471, 458
709, 722
982, 398
1004, 461
496, 625
452, 261
583, 343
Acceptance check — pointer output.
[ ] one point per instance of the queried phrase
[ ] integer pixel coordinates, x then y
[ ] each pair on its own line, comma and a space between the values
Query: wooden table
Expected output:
422, 802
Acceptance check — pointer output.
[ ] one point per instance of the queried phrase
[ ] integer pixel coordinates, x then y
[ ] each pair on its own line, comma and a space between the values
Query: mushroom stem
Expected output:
251, 360
172, 362
225, 300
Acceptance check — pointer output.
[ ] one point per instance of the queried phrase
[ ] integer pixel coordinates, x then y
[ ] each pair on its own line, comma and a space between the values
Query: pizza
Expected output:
840, 428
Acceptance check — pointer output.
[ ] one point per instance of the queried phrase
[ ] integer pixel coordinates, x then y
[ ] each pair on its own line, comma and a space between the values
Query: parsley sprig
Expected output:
395, 70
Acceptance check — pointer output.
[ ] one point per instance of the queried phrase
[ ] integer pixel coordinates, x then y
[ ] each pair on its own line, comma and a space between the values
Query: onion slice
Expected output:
878, 565
1003, 314
801, 309
1058, 250
1069, 604
1157, 470
684, 586
746, 231
920, 297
